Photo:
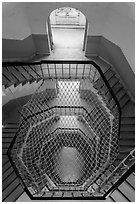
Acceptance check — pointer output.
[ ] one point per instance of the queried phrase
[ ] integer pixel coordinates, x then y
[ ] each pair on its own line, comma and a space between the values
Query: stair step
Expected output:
9, 76
7, 173
128, 191
5, 145
120, 94
109, 74
124, 101
5, 80
110, 199
4, 152
118, 197
129, 110
38, 68
127, 120
131, 180
102, 64
117, 87
32, 71
8, 180
114, 80
127, 127
5, 167
6, 140
16, 125
5, 159
127, 134
17, 74
127, 142
12, 127
12, 192
23, 72
123, 148
9, 130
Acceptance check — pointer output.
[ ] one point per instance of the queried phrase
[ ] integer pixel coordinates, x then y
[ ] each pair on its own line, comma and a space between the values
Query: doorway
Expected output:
67, 29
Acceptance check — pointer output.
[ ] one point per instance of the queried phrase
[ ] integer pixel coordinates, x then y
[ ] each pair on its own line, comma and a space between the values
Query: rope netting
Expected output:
67, 137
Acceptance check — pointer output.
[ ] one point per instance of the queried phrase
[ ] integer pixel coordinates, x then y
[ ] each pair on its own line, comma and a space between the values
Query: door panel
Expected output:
50, 34
85, 36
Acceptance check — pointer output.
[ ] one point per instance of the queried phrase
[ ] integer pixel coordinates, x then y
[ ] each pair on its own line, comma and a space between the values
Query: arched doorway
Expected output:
67, 29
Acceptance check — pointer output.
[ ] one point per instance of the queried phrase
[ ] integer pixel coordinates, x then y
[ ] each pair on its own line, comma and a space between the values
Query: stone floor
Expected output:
68, 45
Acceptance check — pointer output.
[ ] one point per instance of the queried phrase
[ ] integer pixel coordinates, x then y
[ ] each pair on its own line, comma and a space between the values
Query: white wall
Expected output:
120, 29
38, 14
14, 21
113, 20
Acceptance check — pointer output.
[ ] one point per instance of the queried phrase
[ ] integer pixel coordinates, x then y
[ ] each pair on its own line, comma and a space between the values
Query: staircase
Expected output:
12, 190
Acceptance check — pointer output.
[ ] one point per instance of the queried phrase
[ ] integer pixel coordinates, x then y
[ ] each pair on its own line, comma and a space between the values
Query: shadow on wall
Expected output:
20, 50
98, 45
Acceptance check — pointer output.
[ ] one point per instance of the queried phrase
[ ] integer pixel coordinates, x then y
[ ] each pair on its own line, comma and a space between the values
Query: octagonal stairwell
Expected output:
74, 117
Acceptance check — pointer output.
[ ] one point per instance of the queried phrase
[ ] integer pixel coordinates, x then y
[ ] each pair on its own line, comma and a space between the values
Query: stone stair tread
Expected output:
127, 134
8, 180
129, 110
24, 72
6, 166
109, 74
9, 75
113, 81
103, 64
7, 173
117, 87
128, 120
127, 127
4, 80
14, 195
128, 191
124, 100
120, 94
118, 197
5, 159
125, 149
131, 180
17, 74
127, 142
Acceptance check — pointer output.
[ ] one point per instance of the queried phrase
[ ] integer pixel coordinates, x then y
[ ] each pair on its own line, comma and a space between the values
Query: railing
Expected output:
60, 70
21, 72
126, 167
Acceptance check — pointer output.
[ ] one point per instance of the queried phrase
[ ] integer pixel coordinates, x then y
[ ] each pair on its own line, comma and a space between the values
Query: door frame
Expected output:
50, 35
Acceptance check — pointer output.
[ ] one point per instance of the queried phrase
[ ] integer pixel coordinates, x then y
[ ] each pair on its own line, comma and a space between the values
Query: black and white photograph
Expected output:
68, 101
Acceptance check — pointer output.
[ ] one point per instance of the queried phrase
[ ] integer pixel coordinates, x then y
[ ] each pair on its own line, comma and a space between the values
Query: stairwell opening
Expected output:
67, 30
